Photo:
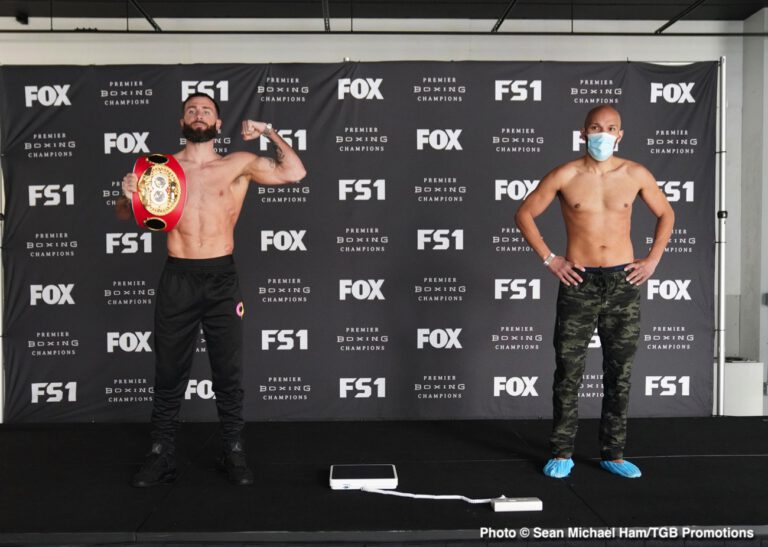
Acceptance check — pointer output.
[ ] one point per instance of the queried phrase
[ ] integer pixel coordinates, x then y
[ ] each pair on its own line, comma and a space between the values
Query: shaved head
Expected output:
600, 111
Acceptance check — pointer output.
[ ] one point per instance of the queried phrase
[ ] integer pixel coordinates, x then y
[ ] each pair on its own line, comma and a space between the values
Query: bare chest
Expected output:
211, 187
591, 194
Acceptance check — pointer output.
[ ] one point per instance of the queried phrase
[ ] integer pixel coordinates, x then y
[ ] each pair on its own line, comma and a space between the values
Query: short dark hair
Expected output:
199, 94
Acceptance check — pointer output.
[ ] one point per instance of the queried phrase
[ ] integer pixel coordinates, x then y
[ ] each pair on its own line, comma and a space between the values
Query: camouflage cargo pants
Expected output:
607, 301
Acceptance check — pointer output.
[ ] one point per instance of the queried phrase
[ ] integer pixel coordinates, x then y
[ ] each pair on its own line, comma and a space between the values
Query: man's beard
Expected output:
199, 135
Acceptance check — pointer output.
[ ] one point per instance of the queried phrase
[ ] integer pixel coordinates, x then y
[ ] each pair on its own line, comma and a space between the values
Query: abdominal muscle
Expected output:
603, 241
200, 236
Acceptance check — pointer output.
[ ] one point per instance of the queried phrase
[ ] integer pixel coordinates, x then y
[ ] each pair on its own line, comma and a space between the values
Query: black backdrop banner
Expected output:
392, 281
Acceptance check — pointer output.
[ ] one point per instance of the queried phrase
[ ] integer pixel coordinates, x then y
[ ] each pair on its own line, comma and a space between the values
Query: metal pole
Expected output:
722, 215
2, 296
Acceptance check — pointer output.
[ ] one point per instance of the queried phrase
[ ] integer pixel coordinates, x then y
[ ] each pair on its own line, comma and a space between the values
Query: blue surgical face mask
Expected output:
600, 145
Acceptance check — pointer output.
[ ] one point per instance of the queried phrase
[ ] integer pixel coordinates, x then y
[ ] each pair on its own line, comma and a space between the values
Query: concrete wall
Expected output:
753, 332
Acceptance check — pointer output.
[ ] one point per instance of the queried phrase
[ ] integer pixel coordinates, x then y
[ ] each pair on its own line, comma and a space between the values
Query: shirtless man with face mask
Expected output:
199, 284
600, 280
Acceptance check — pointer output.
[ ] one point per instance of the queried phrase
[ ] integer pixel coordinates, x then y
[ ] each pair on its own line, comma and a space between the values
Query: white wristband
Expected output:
267, 130
549, 259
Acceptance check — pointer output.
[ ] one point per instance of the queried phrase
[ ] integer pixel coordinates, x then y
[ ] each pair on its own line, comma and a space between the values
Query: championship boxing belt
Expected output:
162, 192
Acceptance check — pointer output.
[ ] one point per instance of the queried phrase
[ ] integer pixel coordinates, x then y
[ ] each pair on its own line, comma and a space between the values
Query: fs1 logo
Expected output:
126, 143
523, 386
283, 240
517, 289
288, 135
287, 339
440, 240
361, 289
53, 295
53, 392
361, 88
438, 139
675, 190
516, 190
129, 342
668, 386
671, 289
362, 189
217, 90
129, 243
52, 194
517, 90
672, 93
363, 388
199, 388
47, 95
438, 338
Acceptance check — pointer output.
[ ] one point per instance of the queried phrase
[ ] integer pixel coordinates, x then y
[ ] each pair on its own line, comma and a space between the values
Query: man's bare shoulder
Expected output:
638, 172
635, 168
564, 172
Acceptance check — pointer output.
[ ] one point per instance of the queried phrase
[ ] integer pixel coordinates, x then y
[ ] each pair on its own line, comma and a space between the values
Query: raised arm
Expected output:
525, 218
285, 168
640, 270
123, 208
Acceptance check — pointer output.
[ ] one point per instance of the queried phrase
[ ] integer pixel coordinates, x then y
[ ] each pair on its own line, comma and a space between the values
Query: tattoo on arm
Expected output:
272, 164
280, 155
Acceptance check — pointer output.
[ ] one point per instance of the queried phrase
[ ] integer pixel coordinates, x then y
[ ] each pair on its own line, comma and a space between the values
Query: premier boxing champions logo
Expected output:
53, 344
439, 89
362, 240
439, 190
509, 239
517, 338
284, 290
365, 339
118, 93
596, 92
282, 89
284, 389
129, 390
517, 140
434, 387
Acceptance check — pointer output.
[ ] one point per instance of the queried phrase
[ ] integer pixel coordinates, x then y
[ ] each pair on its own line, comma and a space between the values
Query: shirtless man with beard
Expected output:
199, 283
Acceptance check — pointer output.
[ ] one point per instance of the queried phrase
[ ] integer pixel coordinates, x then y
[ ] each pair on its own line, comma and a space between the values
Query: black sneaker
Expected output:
159, 467
232, 462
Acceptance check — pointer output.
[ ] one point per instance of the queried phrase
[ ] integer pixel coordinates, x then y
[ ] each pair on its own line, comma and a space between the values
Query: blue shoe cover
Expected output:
625, 469
558, 469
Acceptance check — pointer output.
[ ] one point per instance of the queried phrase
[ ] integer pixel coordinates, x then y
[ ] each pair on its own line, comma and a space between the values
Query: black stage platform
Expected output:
69, 484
